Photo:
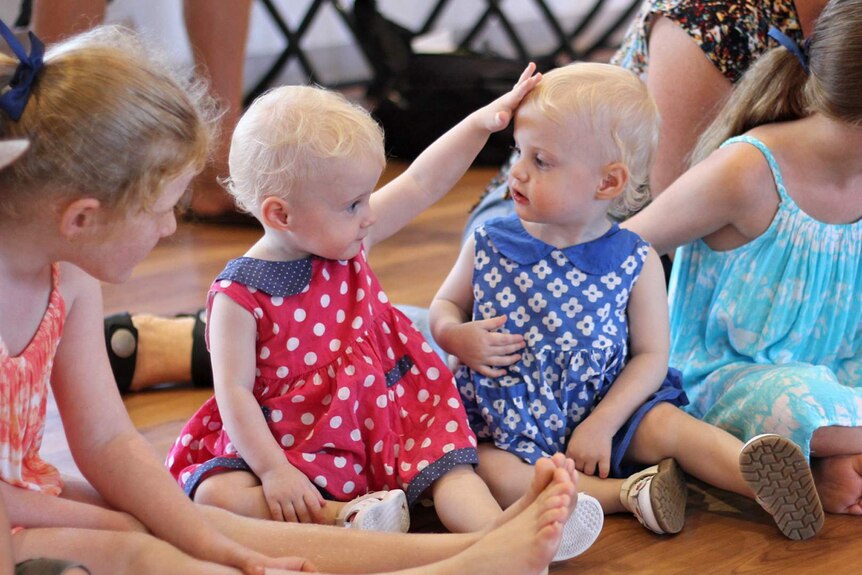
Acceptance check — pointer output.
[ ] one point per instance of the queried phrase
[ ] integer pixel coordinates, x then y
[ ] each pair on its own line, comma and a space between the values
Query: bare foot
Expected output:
544, 474
839, 483
526, 544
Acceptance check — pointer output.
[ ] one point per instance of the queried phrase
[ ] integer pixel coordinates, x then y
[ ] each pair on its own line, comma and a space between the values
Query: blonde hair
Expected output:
617, 108
777, 89
106, 118
290, 135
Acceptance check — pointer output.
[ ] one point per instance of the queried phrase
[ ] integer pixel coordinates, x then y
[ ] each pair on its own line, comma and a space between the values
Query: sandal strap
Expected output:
120, 332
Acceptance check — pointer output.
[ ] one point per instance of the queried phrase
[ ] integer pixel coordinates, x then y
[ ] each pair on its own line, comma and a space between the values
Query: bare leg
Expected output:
835, 440
218, 37
702, 450
839, 483
463, 501
111, 552
524, 544
240, 492
506, 475
54, 20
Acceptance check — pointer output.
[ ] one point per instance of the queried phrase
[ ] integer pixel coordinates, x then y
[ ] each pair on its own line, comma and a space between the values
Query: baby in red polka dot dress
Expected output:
329, 406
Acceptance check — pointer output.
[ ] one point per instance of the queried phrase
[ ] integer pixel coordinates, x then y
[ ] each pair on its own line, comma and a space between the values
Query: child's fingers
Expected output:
275, 511
501, 360
604, 468
527, 73
489, 371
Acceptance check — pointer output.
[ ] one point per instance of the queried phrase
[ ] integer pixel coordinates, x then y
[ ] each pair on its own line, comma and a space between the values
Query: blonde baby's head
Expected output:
296, 134
107, 118
618, 113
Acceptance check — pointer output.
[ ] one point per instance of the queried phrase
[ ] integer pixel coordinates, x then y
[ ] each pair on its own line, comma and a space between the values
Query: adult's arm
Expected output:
689, 91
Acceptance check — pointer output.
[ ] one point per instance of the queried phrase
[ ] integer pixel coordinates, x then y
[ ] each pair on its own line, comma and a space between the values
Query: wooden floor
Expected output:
723, 533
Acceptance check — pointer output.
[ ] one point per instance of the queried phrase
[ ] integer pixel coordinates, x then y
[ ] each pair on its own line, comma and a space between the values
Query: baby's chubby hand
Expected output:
482, 348
290, 495
497, 115
590, 447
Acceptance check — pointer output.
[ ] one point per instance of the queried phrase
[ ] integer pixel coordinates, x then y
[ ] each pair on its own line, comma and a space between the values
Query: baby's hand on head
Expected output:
497, 115
483, 349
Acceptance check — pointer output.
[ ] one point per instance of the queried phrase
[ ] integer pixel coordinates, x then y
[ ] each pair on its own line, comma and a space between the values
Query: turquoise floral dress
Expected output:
769, 335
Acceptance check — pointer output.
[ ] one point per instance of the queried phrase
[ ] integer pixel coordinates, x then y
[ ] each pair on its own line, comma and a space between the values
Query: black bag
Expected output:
420, 96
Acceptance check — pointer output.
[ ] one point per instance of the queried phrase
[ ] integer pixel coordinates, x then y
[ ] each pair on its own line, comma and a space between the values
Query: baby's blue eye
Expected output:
354, 206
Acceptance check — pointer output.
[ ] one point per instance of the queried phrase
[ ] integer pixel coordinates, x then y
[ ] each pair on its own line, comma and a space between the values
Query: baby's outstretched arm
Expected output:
477, 344
443, 163
590, 443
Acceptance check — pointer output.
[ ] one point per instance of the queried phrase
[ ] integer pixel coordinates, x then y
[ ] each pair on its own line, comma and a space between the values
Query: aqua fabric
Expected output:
769, 335
570, 304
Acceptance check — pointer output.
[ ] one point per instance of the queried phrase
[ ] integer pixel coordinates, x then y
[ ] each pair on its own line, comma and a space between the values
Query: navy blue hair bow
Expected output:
800, 53
15, 99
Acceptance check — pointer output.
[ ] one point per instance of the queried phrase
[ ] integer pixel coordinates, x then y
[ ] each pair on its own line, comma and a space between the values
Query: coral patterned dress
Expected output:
350, 390
23, 399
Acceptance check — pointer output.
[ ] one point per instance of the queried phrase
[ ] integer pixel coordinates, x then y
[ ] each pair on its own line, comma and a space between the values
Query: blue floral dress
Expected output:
570, 305
769, 335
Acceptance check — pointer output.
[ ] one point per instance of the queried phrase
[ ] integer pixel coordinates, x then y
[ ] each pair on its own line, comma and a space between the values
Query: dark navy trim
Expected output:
402, 366
226, 463
424, 479
280, 279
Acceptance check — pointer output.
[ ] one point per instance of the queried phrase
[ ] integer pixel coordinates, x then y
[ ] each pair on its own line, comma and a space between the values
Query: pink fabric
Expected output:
24, 383
324, 356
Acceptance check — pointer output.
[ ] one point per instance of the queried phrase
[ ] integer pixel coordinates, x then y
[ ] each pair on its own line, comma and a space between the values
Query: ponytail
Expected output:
777, 88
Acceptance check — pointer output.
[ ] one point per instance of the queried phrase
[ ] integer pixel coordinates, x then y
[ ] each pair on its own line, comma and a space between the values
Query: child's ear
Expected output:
615, 176
79, 217
274, 213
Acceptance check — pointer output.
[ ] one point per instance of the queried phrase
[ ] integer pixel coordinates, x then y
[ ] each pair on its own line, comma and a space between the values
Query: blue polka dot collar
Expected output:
280, 279
595, 256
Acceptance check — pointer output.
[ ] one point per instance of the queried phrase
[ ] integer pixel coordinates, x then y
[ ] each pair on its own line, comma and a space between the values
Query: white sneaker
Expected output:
582, 528
377, 511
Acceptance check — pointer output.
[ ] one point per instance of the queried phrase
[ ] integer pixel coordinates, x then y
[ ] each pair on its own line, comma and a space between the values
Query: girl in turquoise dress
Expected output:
766, 311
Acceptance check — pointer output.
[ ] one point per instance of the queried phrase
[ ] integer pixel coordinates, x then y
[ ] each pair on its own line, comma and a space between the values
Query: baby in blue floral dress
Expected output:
559, 320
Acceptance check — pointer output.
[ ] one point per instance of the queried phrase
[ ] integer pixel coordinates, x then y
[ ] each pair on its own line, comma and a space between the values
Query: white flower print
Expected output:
602, 342
622, 297
604, 312
643, 251
620, 312
508, 264
575, 276
538, 408
486, 310
537, 303
552, 321
611, 280
542, 269
576, 413
500, 436
533, 336
630, 265
478, 292
572, 307
531, 430
560, 258
468, 393
481, 260
593, 293
519, 316
512, 419
505, 297
523, 282
493, 277
499, 406
586, 326
554, 422
525, 447
557, 287
610, 328
566, 341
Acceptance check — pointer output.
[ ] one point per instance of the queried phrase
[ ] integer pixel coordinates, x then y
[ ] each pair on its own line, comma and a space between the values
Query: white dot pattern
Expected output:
347, 386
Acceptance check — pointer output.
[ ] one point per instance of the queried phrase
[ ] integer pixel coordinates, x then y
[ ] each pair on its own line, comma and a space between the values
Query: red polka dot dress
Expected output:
351, 391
